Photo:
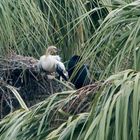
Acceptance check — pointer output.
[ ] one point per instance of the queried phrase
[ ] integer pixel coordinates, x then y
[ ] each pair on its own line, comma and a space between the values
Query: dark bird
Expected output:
52, 63
78, 76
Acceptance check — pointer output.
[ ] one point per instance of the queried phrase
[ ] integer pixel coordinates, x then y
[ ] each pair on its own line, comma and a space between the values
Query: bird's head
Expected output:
52, 50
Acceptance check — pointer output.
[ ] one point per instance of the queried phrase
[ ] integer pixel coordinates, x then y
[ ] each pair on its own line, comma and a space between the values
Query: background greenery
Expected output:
106, 33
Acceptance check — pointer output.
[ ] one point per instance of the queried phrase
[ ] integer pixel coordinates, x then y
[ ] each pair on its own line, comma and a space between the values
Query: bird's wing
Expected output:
60, 68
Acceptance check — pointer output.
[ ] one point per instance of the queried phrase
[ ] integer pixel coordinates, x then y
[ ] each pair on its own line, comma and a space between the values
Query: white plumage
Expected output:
57, 57
48, 63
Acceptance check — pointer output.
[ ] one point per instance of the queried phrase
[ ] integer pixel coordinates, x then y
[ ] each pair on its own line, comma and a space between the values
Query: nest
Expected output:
21, 72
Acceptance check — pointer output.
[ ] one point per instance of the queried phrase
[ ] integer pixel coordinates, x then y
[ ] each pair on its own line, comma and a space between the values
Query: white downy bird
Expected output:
52, 63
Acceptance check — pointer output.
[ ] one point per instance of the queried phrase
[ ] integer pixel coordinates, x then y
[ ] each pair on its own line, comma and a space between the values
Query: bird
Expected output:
50, 62
78, 76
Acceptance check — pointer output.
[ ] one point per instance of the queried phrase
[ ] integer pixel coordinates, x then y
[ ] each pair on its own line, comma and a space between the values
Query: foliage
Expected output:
30, 26
108, 110
115, 46
114, 114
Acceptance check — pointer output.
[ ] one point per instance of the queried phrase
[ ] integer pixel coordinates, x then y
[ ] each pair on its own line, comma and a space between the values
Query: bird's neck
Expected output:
47, 53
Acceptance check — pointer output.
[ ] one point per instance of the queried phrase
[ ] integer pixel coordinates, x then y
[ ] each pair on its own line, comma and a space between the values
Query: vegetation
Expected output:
106, 34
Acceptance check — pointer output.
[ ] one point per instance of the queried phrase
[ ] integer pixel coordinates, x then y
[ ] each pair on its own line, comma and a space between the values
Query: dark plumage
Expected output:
81, 77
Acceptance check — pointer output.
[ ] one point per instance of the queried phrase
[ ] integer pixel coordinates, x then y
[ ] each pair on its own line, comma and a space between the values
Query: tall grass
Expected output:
115, 46
110, 48
113, 114
30, 26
